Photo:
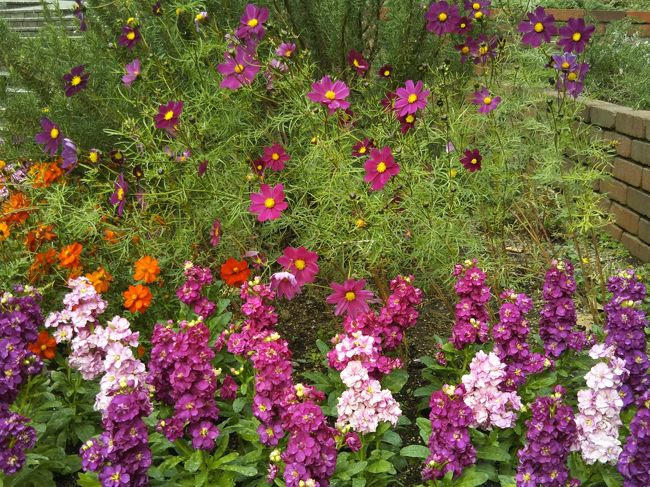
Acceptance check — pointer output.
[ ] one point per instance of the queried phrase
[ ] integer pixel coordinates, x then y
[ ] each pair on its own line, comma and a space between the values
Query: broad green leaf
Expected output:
88, 480
381, 466
507, 481
424, 425
415, 451
395, 380
193, 463
471, 478
238, 404
494, 453
240, 469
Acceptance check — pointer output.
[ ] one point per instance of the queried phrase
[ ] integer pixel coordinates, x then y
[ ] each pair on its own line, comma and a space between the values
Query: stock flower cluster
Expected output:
634, 461
510, 336
599, 406
181, 373
190, 291
20, 317
551, 433
624, 324
558, 317
490, 405
450, 444
471, 323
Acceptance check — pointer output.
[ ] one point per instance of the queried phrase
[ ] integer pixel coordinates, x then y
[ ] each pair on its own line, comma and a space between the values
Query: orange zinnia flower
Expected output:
146, 269
11, 209
4, 231
69, 256
45, 173
235, 272
44, 346
41, 265
137, 298
35, 238
110, 236
100, 279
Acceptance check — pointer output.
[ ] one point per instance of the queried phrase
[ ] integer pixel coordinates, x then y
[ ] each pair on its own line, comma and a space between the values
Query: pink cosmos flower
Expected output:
286, 49
411, 98
301, 263
442, 18
239, 70
168, 116
486, 103
215, 233
274, 157
133, 70
407, 122
350, 297
269, 203
358, 62
331, 95
251, 24
380, 167
471, 160
285, 285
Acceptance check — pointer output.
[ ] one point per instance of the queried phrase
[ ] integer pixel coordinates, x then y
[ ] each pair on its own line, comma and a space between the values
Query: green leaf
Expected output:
238, 404
395, 380
358, 482
240, 469
193, 463
84, 431
424, 425
494, 453
471, 478
415, 451
381, 466
611, 477
392, 438
322, 346
507, 481
88, 480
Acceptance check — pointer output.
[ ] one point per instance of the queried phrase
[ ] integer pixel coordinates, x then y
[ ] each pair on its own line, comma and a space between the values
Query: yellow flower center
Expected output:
288, 53
362, 149
43, 348
118, 155
116, 476
130, 36
442, 16
93, 157
453, 173
462, 25
199, 17
473, 161
252, 23
204, 432
476, 6
483, 49
478, 15
381, 167
572, 76
275, 156
356, 63
464, 49
239, 68
330, 95
54, 133
576, 36
169, 115
269, 203
75, 81
350, 296
300, 264
539, 27
412, 98
410, 119
487, 100
387, 73
120, 197
526, 476
565, 65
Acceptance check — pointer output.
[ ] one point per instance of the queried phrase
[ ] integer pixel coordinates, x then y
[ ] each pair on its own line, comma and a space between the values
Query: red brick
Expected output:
639, 201
641, 152
632, 122
639, 16
627, 171
644, 230
622, 143
645, 179
614, 230
637, 248
614, 189
625, 218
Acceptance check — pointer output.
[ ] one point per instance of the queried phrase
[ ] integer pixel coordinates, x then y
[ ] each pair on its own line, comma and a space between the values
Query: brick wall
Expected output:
628, 190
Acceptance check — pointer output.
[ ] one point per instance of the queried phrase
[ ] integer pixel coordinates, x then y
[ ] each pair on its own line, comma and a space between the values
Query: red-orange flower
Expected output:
35, 238
110, 236
41, 265
235, 272
69, 256
100, 279
13, 209
44, 346
4, 231
45, 173
146, 269
137, 298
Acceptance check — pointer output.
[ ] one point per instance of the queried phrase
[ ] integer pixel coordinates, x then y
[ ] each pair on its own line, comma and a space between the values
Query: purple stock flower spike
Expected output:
471, 323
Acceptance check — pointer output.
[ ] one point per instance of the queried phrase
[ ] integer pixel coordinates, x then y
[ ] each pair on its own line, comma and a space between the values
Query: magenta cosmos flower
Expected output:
575, 35
386, 71
330, 94
380, 167
132, 70
471, 160
411, 98
286, 50
239, 70
168, 116
442, 18
274, 157
50, 137
362, 147
478, 8
301, 263
486, 103
76, 80
285, 285
350, 298
215, 233
118, 198
358, 62
538, 28
269, 203
130, 36
251, 24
